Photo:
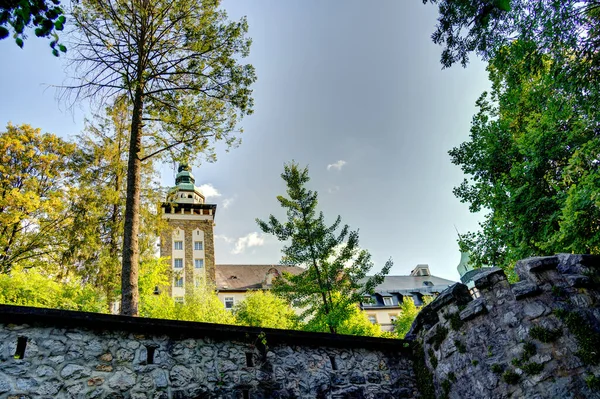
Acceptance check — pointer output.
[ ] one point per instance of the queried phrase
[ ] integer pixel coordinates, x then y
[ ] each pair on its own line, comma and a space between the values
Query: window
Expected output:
198, 263
178, 245
228, 302
178, 263
372, 318
178, 299
387, 301
198, 246
393, 317
178, 281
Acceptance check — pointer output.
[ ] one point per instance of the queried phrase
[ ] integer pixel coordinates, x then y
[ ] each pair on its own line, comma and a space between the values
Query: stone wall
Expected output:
538, 338
60, 354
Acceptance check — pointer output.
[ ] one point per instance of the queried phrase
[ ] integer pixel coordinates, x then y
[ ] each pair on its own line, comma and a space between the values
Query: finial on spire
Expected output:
184, 166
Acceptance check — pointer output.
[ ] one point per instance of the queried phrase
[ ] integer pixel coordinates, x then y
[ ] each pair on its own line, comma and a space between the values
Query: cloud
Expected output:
224, 238
336, 165
333, 189
209, 191
227, 202
249, 240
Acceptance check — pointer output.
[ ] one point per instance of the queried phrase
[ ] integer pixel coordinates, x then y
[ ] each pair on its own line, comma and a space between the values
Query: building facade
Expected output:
188, 240
383, 306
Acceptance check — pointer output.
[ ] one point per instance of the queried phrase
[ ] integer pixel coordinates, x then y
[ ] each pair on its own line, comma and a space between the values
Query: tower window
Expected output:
198, 246
199, 263
178, 245
178, 263
228, 302
179, 282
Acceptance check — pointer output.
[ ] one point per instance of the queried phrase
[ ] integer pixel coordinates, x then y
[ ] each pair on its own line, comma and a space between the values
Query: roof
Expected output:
247, 277
407, 283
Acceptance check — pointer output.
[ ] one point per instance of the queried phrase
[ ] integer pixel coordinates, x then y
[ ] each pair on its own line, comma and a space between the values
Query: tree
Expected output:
408, 313
201, 304
486, 26
34, 172
30, 287
177, 61
335, 265
46, 16
264, 309
94, 241
533, 162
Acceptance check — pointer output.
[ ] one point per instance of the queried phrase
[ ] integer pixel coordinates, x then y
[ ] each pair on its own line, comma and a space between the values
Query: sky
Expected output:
352, 89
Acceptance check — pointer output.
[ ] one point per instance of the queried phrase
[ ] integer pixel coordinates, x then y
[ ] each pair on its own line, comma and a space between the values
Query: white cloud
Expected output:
227, 202
333, 189
249, 240
224, 238
336, 165
209, 191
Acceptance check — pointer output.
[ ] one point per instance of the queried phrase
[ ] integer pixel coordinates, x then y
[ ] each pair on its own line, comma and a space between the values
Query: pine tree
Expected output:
336, 268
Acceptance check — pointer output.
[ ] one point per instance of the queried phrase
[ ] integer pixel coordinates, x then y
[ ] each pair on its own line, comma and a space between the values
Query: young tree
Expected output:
264, 309
408, 313
177, 61
34, 169
335, 265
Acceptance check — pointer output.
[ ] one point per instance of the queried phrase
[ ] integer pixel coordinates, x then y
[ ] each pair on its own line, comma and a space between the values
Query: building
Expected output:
235, 281
188, 240
383, 306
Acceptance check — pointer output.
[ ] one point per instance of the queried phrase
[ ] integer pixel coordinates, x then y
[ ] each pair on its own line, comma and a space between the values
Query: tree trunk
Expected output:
131, 253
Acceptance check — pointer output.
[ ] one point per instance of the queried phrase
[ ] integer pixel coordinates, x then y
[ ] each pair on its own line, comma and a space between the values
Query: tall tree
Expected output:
335, 265
178, 63
533, 162
94, 242
265, 309
34, 171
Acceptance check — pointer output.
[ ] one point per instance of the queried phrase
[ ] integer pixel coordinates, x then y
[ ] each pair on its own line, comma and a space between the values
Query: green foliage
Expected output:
451, 377
446, 387
510, 377
263, 309
544, 334
531, 161
587, 338
34, 170
335, 278
201, 304
438, 337
45, 16
529, 349
406, 317
460, 346
475, 362
593, 382
455, 322
423, 376
497, 368
433, 360
532, 368
32, 288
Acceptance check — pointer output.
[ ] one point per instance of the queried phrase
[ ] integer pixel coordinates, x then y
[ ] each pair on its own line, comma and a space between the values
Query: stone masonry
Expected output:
538, 338
188, 226
62, 354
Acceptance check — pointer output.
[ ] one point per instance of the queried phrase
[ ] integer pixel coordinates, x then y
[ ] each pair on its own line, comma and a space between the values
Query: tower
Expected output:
188, 240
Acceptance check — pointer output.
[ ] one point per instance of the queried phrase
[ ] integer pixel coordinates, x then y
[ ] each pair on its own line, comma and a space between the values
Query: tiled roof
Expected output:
247, 277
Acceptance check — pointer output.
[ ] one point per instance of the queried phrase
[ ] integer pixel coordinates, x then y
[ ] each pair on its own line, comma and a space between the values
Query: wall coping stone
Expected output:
473, 309
524, 289
489, 278
457, 293
11, 314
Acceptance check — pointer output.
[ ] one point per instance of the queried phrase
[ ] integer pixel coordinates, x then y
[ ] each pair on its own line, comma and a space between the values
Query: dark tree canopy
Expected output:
45, 17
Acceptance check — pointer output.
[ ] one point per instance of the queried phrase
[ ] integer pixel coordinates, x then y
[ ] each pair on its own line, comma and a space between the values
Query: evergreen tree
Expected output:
335, 265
